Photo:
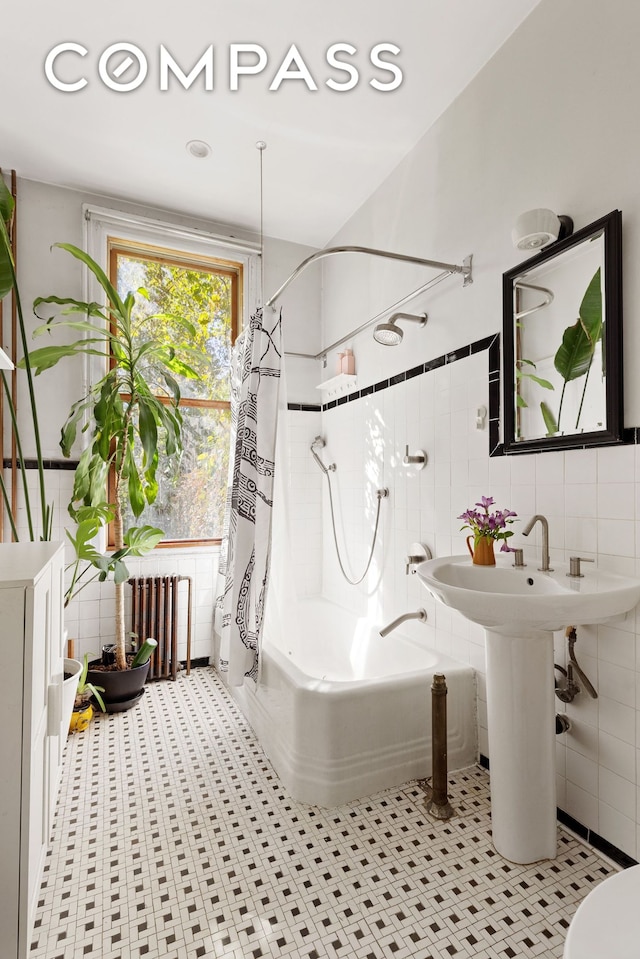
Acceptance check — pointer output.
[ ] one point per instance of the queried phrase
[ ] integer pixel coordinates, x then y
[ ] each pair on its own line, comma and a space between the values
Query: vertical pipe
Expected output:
144, 619
156, 627
438, 804
189, 627
174, 627
151, 618
135, 606
162, 632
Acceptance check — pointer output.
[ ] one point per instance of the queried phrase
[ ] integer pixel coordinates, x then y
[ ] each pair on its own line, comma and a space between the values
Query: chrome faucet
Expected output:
420, 614
538, 518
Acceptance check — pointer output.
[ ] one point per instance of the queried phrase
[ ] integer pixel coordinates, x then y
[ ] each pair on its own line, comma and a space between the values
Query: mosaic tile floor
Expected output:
215, 861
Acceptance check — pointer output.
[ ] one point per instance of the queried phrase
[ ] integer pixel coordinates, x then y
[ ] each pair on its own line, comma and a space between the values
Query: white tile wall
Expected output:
592, 501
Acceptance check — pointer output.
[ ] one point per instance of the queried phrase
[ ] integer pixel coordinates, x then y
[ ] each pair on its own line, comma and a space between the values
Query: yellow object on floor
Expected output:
80, 718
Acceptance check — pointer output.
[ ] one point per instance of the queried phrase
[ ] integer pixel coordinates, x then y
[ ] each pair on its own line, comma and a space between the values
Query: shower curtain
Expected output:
243, 570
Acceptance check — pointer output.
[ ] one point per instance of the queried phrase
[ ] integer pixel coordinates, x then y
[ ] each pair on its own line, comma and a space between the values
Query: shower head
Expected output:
390, 334
318, 443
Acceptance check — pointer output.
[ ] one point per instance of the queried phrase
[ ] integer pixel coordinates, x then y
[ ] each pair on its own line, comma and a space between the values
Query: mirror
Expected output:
562, 335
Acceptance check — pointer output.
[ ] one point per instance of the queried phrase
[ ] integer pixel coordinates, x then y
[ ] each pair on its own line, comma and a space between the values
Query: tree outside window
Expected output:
192, 489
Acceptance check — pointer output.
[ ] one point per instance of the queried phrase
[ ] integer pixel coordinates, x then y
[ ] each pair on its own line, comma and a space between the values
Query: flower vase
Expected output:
482, 550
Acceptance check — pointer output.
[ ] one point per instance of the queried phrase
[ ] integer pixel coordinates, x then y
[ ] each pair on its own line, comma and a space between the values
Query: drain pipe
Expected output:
572, 635
437, 802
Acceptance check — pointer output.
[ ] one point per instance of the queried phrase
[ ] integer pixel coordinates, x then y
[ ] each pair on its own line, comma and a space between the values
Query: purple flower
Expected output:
493, 525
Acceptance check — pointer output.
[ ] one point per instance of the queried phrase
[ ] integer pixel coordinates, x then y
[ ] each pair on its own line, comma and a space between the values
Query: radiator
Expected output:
154, 614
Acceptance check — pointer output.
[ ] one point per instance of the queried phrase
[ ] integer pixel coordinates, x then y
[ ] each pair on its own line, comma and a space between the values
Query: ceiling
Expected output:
327, 150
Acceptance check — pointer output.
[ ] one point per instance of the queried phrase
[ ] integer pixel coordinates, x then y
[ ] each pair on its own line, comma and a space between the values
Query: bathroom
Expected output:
456, 193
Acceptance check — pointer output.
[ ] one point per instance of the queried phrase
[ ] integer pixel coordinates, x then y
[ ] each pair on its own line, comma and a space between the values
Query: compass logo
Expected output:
123, 67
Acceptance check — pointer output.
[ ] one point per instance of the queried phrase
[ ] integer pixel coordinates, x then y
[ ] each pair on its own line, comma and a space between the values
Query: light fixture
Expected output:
537, 228
390, 334
5, 362
198, 149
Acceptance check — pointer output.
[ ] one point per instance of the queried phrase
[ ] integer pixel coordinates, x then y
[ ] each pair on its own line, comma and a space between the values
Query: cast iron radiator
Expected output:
154, 613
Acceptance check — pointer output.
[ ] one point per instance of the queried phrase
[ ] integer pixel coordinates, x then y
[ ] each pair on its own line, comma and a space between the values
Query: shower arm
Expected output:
447, 270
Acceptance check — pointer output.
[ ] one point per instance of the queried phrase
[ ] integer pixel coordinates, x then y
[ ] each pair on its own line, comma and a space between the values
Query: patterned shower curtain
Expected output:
244, 553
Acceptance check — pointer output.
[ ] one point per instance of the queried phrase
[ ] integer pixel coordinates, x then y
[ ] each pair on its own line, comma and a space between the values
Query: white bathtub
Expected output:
342, 712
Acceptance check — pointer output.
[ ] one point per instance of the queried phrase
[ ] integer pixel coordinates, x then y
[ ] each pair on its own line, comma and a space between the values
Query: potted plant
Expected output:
487, 529
82, 708
131, 433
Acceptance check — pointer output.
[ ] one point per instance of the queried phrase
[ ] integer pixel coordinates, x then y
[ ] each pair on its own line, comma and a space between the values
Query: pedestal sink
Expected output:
519, 609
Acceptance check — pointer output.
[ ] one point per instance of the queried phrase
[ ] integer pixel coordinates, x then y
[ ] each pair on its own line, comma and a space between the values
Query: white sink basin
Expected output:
509, 599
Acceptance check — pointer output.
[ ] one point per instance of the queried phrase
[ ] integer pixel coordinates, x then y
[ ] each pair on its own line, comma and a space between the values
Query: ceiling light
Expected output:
198, 149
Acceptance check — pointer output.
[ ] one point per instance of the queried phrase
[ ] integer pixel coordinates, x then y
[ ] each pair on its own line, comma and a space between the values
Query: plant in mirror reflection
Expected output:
575, 354
489, 525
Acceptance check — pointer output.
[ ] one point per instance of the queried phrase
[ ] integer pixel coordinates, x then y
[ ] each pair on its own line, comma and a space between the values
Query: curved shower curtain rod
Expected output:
447, 270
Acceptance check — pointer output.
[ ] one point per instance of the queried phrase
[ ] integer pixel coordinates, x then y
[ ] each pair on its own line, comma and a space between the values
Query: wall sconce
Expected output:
537, 228
5, 362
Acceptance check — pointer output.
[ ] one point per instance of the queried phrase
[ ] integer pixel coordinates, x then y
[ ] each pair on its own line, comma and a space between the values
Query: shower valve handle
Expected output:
417, 459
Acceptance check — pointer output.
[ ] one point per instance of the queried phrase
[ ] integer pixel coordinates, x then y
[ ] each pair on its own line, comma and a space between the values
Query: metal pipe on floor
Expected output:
437, 802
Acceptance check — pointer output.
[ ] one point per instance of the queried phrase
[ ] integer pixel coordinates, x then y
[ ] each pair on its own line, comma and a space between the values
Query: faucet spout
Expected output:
545, 566
420, 614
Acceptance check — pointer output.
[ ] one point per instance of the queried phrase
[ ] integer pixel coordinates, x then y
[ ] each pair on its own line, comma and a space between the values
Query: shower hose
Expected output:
381, 494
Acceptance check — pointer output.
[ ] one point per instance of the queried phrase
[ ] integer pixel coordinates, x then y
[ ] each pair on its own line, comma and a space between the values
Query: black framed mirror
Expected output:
562, 343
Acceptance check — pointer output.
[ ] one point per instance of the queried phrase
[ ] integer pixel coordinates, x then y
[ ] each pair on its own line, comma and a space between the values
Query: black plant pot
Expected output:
123, 688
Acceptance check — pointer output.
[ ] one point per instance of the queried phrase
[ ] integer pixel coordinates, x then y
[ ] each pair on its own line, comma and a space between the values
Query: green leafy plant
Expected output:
131, 430
522, 374
89, 563
86, 691
574, 357
9, 284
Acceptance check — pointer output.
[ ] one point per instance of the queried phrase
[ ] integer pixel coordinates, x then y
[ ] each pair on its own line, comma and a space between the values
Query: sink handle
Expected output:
574, 565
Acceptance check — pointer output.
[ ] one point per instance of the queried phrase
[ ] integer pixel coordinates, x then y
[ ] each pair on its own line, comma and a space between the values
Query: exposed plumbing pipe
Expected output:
437, 802
571, 634
567, 691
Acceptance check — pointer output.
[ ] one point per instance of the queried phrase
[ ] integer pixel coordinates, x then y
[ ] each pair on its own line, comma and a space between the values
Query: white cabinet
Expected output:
31, 656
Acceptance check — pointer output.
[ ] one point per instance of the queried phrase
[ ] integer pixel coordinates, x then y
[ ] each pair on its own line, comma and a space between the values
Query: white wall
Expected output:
549, 122
48, 214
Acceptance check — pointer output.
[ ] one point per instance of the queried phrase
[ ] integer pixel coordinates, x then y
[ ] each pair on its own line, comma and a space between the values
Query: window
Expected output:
208, 292
222, 272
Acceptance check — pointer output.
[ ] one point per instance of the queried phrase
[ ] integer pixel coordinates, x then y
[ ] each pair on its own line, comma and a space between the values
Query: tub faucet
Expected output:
420, 614
545, 566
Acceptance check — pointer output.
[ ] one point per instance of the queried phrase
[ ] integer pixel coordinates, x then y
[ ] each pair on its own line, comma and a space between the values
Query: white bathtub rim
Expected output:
302, 680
